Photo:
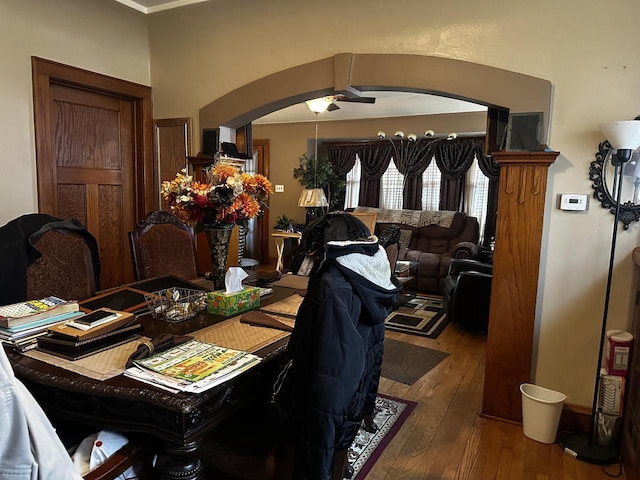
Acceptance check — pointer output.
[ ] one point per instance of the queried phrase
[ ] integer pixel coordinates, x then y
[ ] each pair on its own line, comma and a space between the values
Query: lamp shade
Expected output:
313, 197
622, 135
319, 105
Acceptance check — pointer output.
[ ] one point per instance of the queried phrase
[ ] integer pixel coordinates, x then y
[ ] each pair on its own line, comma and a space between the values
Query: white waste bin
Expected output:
541, 409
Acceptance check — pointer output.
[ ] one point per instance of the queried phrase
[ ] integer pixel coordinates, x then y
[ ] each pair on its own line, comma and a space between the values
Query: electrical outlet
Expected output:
279, 188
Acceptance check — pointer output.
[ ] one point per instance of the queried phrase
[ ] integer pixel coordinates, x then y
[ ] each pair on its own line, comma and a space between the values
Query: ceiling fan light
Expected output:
319, 105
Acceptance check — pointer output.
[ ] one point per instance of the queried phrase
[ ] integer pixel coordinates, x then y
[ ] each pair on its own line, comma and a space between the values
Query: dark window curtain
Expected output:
454, 158
413, 158
374, 159
342, 159
491, 169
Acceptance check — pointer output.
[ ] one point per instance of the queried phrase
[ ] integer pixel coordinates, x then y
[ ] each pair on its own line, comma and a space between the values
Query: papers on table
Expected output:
192, 367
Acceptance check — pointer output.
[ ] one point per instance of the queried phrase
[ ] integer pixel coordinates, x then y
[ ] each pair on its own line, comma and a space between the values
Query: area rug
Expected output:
406, 363
390, 414
421, 315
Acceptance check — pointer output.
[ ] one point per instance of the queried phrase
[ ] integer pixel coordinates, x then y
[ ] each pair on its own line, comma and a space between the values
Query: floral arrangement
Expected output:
229, 196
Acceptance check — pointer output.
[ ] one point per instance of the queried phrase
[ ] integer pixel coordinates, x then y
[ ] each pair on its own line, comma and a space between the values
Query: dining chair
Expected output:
162, 245
66, 268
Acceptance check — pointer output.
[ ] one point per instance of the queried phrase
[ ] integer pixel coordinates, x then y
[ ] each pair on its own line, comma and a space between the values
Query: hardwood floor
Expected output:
445, 438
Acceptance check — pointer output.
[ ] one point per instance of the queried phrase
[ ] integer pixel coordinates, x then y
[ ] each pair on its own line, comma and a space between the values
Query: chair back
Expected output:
65, 268
368, 218
163, 245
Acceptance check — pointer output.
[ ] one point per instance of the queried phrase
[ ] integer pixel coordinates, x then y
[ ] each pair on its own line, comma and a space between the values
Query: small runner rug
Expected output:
421, 315
390, 414
406, 363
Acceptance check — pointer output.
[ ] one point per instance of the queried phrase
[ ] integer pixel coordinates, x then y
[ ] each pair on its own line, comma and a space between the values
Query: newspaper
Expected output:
193, 366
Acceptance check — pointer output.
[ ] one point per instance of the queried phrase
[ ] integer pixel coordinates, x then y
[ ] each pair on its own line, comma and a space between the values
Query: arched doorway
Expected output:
349, 74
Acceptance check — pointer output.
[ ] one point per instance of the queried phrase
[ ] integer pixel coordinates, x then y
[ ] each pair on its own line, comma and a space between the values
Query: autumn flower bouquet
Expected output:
229, 196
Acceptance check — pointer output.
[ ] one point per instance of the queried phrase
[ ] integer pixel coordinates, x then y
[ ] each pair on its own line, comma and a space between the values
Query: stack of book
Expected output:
193, 366
21, 324
92, 333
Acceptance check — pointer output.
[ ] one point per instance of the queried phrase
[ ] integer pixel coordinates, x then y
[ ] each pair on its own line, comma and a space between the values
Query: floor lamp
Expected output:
624, 137
313, 198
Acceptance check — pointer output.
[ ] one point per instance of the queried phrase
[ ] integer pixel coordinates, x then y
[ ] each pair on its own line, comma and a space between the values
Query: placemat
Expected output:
230, 333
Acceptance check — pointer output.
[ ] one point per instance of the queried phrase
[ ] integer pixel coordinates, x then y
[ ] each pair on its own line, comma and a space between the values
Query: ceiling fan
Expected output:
344, 98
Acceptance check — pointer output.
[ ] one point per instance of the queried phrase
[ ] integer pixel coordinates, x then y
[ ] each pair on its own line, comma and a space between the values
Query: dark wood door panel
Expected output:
94, 168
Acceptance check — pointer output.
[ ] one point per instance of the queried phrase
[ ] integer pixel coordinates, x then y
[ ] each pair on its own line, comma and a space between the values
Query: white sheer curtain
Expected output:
431, 187
476, 194
391, 188
353, 186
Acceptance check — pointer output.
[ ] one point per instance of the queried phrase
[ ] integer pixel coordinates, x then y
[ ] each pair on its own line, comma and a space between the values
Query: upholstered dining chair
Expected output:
163, 245
66, 268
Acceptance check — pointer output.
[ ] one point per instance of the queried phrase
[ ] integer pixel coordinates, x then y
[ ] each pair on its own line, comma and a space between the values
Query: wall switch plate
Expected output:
279, 188
574, 202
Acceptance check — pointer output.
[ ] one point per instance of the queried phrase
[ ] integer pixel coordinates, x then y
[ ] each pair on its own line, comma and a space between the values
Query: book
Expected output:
66, 330
38, 325
33, 310
193, 366
76, 349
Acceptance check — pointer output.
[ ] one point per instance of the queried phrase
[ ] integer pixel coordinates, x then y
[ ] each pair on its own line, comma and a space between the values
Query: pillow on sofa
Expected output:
405, 238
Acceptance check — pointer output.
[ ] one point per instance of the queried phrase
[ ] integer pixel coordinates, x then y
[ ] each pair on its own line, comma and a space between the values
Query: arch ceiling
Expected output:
353, 74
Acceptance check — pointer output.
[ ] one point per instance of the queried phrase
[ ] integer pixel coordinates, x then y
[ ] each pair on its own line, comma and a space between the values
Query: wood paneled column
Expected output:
516, 264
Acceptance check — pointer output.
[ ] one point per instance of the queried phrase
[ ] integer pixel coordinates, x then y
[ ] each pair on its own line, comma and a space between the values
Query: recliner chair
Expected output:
467, 292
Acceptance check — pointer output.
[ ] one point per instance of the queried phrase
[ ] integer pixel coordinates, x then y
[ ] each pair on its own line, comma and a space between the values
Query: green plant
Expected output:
320, 174
282, 222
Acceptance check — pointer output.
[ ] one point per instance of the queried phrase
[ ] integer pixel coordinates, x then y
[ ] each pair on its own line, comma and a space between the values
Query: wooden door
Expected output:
257, 243
94, 157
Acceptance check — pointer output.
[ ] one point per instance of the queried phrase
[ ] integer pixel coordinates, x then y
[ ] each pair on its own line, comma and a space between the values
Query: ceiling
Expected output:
388, 104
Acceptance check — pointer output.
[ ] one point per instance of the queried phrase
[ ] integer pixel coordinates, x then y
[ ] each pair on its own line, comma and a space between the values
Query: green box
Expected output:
229, 304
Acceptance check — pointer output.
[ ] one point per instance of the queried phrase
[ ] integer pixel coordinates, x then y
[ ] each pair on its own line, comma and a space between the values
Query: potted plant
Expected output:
283, 223
320, 174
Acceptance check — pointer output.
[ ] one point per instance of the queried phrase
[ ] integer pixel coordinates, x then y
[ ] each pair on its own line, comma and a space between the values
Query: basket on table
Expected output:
176, 304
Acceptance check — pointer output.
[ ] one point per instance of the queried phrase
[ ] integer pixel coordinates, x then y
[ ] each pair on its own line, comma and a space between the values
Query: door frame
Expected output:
46, 73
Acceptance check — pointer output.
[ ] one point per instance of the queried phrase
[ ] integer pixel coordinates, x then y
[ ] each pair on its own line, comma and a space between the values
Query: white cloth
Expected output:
96, 448
30, 448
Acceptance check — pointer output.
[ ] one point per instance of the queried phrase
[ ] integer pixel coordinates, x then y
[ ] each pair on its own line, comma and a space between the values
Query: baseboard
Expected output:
574, 418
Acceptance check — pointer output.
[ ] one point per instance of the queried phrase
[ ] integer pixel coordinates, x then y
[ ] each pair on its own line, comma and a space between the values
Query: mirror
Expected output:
605, 175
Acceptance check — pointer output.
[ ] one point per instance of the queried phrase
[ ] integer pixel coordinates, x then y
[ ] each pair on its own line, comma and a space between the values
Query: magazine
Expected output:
193, 366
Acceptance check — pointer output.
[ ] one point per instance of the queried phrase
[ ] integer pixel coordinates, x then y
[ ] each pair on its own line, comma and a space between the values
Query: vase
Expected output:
218, 237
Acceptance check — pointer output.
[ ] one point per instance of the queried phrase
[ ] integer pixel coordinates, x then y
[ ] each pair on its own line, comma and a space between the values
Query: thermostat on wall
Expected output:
576, 202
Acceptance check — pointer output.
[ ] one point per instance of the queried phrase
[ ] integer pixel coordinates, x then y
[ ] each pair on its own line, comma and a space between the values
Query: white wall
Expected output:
587, 49
98, 35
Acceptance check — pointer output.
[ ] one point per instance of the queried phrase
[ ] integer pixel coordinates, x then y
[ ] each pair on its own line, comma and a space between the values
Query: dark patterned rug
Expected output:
420, 315
367, 447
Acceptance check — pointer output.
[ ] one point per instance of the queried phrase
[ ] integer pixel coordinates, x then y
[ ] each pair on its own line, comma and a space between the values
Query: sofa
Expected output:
432, 239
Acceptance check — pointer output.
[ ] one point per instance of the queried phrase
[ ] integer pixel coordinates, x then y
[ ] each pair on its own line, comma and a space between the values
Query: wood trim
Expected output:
516, 263
44, 74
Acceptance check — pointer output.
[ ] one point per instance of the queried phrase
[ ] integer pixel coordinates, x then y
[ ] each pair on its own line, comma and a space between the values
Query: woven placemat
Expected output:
100, 366
230, 333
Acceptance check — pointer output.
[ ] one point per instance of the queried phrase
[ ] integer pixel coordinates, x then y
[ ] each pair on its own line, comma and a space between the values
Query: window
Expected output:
391, 188
352, 193
476, 195
476, 190
431, 187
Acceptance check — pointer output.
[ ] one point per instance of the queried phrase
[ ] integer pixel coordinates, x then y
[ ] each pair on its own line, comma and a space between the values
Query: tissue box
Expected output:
228, 304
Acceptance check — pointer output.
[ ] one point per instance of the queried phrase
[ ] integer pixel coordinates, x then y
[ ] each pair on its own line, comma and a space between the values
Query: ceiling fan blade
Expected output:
343, 98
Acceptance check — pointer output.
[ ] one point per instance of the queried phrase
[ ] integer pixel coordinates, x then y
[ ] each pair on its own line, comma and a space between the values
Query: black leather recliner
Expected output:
467, 291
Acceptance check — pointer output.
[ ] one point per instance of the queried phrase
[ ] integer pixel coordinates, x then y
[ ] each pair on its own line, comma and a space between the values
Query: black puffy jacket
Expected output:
335, 353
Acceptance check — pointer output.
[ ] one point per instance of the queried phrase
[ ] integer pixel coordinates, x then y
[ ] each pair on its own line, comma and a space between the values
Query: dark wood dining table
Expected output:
178, 421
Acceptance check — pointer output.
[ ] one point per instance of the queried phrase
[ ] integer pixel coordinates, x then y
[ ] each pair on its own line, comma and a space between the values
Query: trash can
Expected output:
541, 409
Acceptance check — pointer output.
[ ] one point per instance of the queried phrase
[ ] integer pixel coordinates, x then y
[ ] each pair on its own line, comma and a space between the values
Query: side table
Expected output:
279, 238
